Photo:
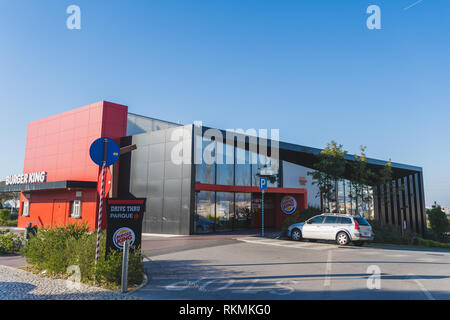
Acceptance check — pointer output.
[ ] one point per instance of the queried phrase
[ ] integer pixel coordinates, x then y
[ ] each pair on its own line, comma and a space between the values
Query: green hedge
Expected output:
433, 244
7, 218
392, 234
5, 214
54, 250
10, 243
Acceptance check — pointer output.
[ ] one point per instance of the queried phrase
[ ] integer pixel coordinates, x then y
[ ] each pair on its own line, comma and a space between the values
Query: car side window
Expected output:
317, 220
331, 220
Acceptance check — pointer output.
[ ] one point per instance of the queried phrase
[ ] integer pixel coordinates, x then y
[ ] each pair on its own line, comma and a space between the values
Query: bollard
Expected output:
125, 266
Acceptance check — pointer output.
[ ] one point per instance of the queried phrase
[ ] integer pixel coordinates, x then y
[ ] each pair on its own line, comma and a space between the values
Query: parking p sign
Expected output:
263, 183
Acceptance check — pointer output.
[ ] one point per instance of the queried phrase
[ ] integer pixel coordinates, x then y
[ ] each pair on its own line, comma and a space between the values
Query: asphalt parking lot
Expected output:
244, 266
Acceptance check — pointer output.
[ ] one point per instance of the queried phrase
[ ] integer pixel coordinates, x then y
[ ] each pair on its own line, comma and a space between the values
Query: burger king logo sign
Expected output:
288, 204
123, 234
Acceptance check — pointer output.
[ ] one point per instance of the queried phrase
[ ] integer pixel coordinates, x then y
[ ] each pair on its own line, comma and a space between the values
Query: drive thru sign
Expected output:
262, 186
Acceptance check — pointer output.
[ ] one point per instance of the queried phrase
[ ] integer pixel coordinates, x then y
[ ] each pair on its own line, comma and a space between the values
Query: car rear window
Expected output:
361, 221
346, 220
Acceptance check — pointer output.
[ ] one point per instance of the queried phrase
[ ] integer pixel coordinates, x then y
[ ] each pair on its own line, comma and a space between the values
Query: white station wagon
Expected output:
341, 228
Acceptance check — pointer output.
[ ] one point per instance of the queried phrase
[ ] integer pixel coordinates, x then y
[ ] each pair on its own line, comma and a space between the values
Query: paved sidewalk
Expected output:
13, 260
16, 284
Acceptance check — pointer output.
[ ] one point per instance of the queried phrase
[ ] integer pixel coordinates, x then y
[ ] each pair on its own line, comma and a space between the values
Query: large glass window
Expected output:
224, 210
265, 165
225, 164
205, 173
243, 169
349, 201
205, 213
341, 196
234, 166
243, 211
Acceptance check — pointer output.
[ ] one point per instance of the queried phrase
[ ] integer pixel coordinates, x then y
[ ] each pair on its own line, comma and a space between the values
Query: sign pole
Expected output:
124, 284
262, 216
100, 210
262, 187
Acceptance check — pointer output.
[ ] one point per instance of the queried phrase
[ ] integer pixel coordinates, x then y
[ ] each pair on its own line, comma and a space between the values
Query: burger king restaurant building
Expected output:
170, 165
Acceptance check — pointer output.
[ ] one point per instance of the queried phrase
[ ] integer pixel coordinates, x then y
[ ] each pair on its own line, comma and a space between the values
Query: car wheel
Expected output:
296, 235
342, 238
358, 243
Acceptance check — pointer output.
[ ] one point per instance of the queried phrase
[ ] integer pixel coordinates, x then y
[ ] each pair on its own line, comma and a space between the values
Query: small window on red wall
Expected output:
75, 209
25, 208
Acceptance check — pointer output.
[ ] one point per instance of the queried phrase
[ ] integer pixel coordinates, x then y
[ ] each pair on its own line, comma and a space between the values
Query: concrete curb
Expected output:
12, 228
143, 284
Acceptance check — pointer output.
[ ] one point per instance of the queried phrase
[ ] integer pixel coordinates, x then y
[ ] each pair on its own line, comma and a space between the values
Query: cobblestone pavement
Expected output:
16, 284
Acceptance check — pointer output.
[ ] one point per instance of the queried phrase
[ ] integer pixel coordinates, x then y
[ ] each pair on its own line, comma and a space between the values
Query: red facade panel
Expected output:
60, 145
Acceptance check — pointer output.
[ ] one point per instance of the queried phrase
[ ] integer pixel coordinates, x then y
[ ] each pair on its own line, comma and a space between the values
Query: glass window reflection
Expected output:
205, 173
205, 212
225, 164
224, 210
243, 215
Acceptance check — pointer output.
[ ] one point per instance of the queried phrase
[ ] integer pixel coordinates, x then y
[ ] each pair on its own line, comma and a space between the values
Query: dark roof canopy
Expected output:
307, 157
48, 186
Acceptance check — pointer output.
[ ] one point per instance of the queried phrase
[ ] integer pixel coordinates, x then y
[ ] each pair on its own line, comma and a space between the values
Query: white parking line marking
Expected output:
327, 282
280, 243
368, 252
427, 260
421, 286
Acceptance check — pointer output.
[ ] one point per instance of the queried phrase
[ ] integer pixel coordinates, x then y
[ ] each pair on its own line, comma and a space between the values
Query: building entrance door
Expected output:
269, 210
59, 213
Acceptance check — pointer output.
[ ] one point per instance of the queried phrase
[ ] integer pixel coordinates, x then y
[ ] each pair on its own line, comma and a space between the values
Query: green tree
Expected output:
330, 169
438, 222
361, 177
7, 195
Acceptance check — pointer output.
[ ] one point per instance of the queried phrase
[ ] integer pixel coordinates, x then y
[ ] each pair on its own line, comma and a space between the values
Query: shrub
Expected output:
309, 213
433, 244
294, 218
10, 242
7, 218
14, 216
56, 249
438, 222
392, 234
5, 215
109, 270
9, 223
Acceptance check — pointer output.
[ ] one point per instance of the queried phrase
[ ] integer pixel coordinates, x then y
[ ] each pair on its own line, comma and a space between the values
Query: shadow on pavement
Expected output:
195, 279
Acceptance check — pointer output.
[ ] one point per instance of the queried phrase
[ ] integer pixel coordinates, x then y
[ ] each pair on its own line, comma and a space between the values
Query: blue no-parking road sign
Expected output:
104, 151
262, 183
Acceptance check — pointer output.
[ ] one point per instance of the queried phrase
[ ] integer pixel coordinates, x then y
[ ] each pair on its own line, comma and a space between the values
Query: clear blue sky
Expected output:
310, 68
